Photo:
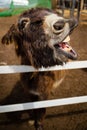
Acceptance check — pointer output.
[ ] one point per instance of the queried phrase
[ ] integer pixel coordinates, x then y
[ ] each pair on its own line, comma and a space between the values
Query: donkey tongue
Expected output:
67, 49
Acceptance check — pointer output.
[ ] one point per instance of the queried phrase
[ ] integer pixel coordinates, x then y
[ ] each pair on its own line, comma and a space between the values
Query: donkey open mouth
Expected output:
65, 49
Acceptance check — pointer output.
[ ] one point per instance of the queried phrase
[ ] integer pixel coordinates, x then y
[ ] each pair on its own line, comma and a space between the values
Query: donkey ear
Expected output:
9, 36
22, 23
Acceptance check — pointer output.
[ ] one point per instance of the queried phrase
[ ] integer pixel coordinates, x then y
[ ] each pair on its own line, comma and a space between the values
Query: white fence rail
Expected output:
24, 68
47, 103
43, 104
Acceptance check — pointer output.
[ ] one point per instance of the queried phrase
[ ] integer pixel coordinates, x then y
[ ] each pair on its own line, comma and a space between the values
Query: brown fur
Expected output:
33, 45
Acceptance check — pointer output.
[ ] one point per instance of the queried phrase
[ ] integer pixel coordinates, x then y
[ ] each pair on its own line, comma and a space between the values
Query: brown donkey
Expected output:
40, 36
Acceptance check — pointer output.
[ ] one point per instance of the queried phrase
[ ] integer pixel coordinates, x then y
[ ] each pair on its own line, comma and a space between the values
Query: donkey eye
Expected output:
23, 22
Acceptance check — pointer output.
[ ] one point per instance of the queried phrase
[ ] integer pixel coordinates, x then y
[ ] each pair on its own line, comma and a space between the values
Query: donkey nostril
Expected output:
59, 25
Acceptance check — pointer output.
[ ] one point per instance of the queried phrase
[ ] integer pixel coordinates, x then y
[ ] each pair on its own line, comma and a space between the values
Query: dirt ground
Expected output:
70, 117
